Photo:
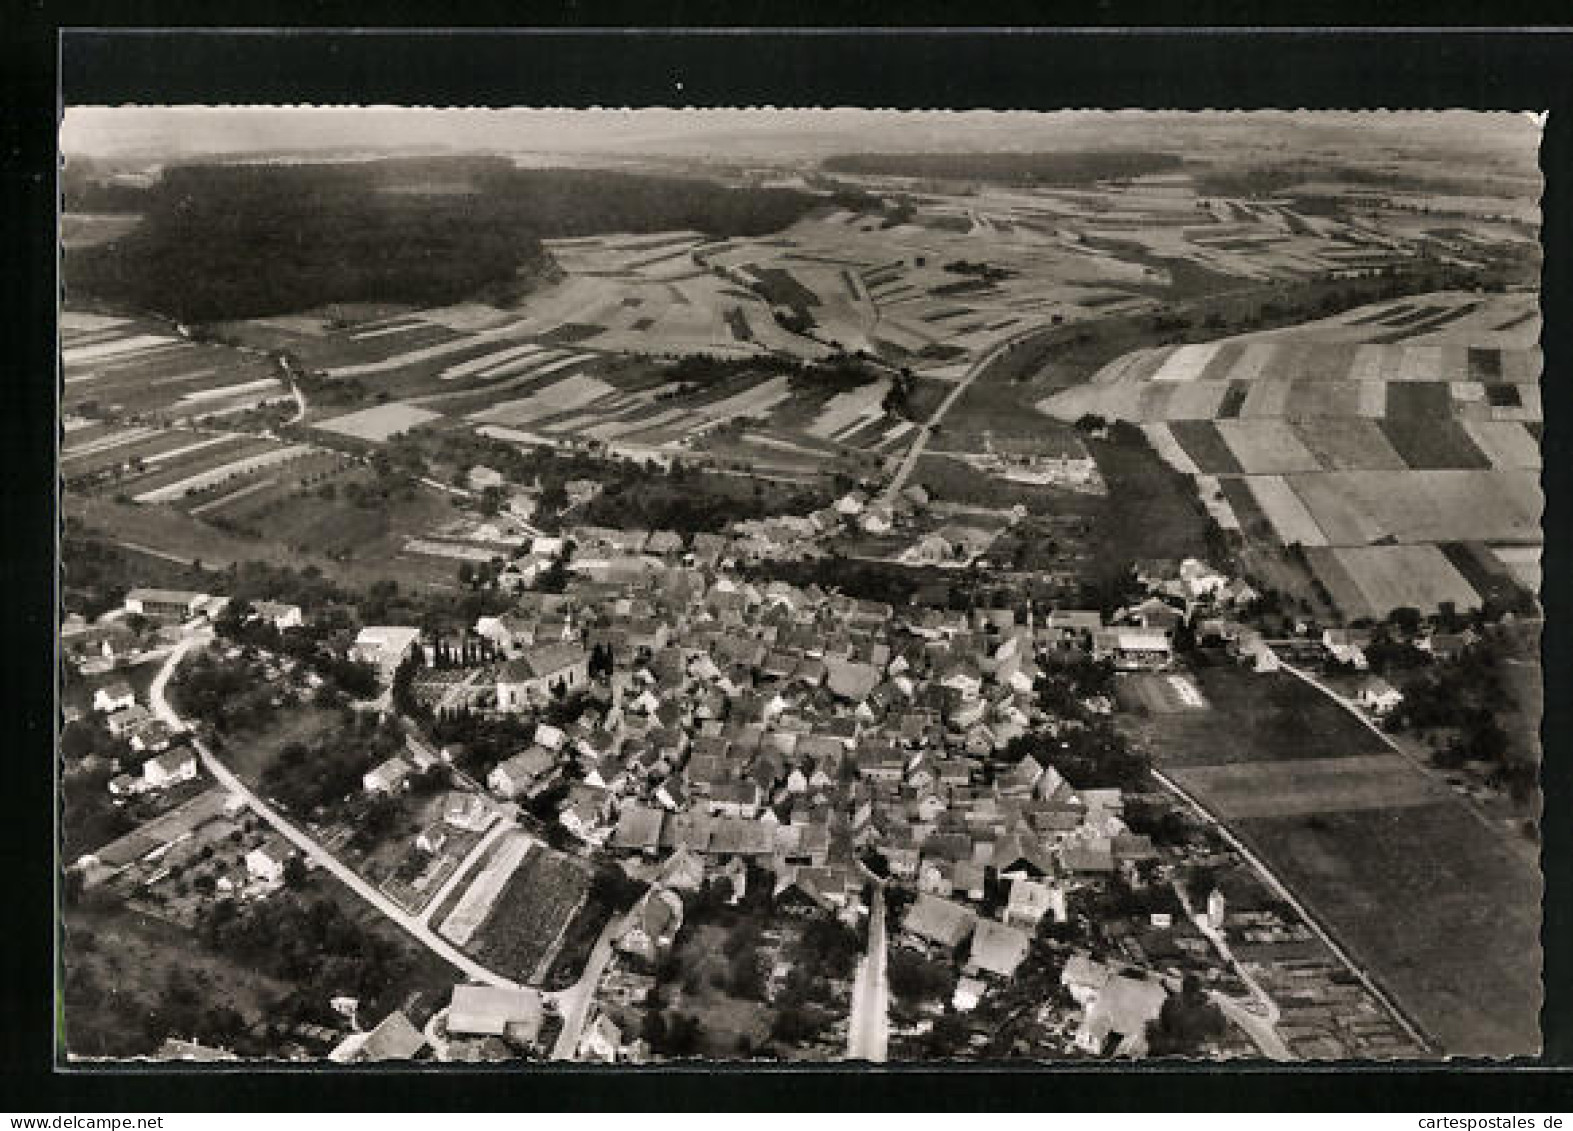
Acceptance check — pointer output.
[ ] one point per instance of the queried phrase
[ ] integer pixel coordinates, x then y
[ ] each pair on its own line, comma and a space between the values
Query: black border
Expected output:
1179, 69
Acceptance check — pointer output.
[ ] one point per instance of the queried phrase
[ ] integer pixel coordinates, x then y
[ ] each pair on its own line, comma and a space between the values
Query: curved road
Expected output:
313, 851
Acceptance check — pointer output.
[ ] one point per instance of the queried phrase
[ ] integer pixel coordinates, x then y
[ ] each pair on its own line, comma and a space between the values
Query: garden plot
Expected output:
1290, 519
529, 915
380, 422
1395, 577
1266, 447
482, 892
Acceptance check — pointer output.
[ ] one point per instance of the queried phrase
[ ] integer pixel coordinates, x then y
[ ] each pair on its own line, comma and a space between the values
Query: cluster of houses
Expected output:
797, 730
166, 764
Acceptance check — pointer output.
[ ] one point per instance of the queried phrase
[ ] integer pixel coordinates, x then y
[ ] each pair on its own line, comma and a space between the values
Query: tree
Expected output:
295, 873
1187, 1020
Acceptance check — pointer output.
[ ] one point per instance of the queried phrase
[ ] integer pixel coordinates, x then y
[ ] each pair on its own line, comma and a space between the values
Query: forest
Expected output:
220, 242
1069, 168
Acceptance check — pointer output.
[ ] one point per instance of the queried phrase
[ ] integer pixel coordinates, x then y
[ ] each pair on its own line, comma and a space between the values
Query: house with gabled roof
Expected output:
170, 768
996, 949
539, 671
939, 922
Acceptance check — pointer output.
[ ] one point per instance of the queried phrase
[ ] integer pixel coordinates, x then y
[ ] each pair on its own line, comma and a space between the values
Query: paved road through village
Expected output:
868, 1029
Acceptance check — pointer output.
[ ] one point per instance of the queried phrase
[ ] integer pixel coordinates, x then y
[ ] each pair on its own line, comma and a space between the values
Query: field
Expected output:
1249, 718
1339, 435
379, 423
137, 370
1159, 694
1386, 857
1299, 787
1443, 915
530, 914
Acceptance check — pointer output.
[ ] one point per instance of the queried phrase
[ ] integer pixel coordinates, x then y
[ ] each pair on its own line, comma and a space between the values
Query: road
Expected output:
910, 461
1289, 897
1261, 1023
868, 1028
574, 1003
308, 847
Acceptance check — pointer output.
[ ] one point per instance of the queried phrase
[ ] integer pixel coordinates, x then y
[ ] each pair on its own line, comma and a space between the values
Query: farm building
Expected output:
493, 1011
166, 604
394, 1038
939, 922
1133, 648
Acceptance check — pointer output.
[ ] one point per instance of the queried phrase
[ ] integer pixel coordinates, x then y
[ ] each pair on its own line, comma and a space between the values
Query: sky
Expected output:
178, 132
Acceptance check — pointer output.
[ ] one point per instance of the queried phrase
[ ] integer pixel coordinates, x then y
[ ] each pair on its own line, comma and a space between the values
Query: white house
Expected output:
387, 777
278, 614
385, 647
169, 768
1378, 696
266, 861
115, 696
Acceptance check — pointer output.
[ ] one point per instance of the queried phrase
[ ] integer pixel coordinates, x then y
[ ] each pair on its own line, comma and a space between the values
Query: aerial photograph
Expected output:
776, 586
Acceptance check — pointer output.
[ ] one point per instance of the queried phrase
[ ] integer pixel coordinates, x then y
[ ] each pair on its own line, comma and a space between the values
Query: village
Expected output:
754, 758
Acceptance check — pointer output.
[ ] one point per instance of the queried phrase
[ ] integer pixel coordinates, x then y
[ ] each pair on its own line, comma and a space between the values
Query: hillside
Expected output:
426, 232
